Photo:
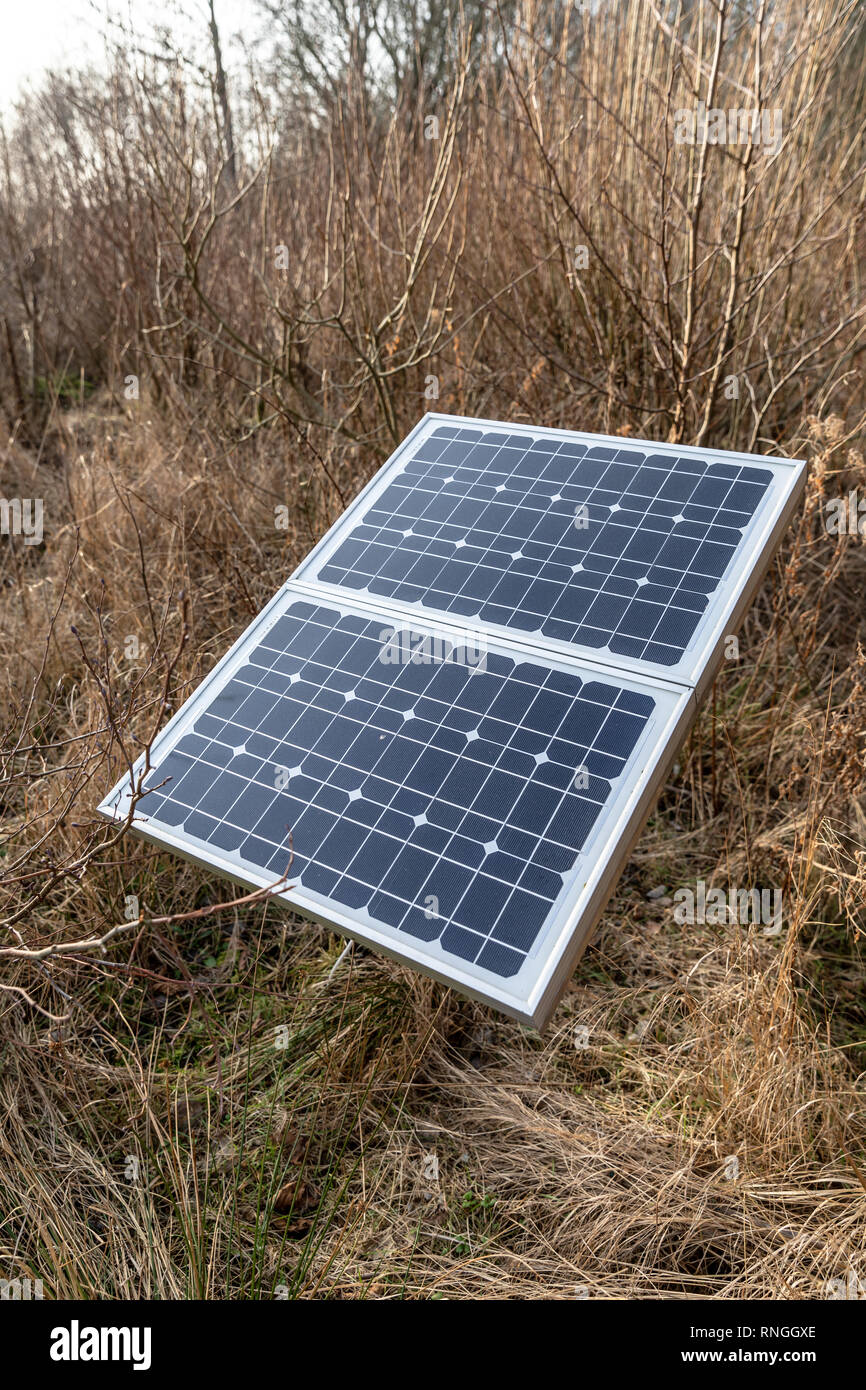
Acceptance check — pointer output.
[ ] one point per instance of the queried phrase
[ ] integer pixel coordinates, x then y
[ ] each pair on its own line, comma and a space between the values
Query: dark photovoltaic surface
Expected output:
612, 548
446, 798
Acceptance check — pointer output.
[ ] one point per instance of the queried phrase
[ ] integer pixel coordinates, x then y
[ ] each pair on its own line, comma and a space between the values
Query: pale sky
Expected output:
39, 34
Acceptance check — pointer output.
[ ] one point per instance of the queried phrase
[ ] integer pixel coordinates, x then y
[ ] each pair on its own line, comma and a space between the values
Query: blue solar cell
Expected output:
464, 843
611, 549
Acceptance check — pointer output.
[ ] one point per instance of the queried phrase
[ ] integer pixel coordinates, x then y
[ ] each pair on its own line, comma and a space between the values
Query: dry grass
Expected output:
201, 1109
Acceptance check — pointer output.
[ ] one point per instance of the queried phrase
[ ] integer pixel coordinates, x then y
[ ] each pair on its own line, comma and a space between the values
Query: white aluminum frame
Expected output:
532, 994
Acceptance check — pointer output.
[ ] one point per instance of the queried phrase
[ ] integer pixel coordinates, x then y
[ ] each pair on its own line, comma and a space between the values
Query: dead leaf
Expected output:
296, 1198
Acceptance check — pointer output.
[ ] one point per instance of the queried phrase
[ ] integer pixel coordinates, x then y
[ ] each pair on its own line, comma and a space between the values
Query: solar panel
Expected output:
453, 786
622, 550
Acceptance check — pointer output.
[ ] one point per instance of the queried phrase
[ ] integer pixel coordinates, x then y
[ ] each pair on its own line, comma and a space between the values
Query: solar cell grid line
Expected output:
475, 521
480, 811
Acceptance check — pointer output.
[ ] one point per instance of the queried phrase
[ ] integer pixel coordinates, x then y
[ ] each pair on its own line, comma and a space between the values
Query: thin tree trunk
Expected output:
222, 92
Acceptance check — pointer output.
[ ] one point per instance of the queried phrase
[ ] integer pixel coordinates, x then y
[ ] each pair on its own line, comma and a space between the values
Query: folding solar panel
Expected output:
449, 726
